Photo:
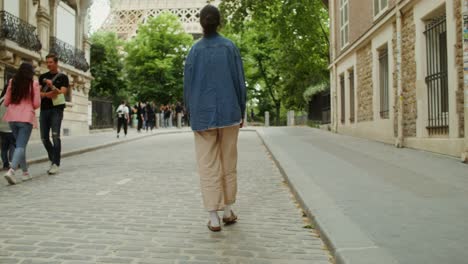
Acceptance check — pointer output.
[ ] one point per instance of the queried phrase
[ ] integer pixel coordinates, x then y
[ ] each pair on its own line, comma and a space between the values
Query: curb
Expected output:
330, 222
102, 146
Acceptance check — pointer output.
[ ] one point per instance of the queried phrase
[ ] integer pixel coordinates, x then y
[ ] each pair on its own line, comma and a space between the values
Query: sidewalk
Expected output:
375, 203
80, 144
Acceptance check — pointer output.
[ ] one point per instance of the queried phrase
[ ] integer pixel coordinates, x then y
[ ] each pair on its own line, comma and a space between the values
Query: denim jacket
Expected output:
214, 84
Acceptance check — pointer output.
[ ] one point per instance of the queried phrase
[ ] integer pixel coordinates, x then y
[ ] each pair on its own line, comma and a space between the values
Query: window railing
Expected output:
19, 31
69, 54
437, 76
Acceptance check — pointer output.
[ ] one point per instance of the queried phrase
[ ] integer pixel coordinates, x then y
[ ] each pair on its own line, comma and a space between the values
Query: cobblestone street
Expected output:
140, 202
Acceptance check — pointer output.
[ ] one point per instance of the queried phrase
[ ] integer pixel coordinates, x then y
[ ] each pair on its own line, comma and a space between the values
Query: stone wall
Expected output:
364, 84
459, 63
409, 75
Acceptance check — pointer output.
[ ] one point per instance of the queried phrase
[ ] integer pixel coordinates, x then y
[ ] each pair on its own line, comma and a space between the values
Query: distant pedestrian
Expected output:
6, 135
139, 113
215, 97
167, 116
22, 99
130, 115
55, 86
123, 118
252, 115
150, 117
186, 117
179, 111
162, 109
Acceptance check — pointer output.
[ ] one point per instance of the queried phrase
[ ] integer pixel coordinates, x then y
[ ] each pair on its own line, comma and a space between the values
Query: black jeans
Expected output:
122, 122
8, 148
51, 119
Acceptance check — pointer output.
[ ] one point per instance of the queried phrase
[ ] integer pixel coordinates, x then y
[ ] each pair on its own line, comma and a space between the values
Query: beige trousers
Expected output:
216, 151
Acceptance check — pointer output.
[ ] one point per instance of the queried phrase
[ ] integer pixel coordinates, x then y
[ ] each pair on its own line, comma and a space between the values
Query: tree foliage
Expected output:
284, 44
107, 67
155, 59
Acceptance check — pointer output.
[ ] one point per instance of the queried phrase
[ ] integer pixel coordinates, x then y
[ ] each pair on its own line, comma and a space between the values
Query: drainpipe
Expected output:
333, 80
400, 137
465, 68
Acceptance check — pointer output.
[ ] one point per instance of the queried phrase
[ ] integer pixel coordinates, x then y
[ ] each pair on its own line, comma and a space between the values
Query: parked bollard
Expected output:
179, 120
267, 119
158, 117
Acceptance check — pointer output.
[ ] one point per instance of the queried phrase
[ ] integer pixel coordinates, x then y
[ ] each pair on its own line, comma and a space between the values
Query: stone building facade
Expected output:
30, 29
409, 87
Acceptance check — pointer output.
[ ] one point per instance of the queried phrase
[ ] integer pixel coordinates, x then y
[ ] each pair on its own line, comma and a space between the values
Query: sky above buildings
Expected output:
99, 12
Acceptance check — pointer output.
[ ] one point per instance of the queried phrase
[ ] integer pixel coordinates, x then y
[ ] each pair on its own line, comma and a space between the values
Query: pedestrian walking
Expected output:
139, 113
130, 115
22, 99
167, 116
6, 135
150, 117
55, 86
123, 118
215, 96
179, 111
186, 116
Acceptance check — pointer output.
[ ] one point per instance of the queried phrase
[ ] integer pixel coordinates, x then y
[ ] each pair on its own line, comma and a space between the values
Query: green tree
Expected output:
107, 67
155, 59
285, 45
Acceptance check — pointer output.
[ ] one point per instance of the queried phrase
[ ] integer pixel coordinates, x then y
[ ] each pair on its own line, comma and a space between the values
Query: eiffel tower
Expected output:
126, 15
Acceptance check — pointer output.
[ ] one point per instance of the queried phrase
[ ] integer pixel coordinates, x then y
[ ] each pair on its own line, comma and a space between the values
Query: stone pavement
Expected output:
376, 203
140, 202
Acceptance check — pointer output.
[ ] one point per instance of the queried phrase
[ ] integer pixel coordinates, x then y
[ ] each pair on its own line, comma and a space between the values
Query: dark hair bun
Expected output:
210, 19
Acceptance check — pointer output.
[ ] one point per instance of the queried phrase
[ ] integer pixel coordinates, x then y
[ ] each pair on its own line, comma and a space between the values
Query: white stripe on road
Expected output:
124, 181
102, 193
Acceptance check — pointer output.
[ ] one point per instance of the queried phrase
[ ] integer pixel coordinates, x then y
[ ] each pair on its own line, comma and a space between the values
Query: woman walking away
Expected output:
215, 96
22, 99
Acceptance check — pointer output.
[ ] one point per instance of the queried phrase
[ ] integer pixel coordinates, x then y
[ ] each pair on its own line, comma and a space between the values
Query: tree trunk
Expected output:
278, 112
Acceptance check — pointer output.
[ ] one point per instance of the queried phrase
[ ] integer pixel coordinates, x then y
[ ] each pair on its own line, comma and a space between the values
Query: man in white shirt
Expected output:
123, 118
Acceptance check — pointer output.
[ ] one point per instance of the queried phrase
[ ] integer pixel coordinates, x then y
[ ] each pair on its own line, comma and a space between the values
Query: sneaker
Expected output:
10, 177
54, 169
26, 176
50, 166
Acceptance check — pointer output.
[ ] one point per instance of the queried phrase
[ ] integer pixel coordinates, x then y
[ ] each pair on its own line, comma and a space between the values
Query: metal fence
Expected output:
319, 108
102, 113
437, 79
